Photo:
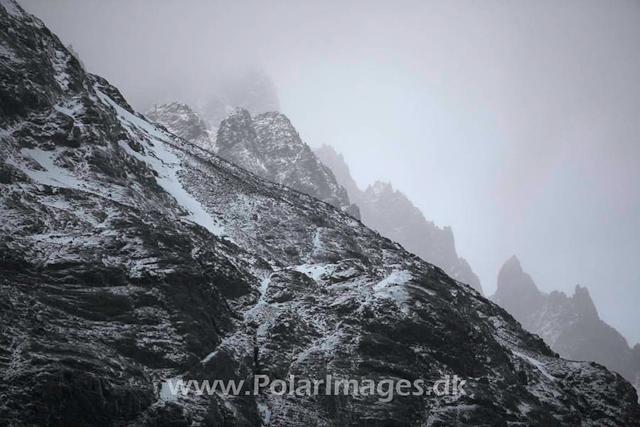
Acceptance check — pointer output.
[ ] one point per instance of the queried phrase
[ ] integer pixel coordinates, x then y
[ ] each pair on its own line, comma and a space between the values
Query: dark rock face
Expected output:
570, 325
129, 256
393, 215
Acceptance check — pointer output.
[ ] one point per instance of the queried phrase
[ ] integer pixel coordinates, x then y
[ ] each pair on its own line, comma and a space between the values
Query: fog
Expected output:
517, 123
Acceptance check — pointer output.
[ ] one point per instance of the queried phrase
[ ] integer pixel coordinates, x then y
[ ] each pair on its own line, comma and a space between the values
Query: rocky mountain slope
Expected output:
267, 145
130, 256
392, 214
569, 324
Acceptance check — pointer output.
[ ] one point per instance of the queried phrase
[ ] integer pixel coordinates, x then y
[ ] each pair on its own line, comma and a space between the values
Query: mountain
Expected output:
393, 215
130, 257
182, 121
267, 145
569, 324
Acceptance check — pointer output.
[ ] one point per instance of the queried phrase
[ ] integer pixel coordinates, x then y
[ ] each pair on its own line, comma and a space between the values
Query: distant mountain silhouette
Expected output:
569, 324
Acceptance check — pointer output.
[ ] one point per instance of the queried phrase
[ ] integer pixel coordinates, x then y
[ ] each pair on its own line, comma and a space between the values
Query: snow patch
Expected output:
539, 365
53, 175
167, 165
265, 413
397, 277
393, 287
314, 271
264, 284
170, 389
70, 108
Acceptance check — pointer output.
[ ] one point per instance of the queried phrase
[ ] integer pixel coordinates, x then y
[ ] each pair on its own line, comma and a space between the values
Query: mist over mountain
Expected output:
569, 324
131, 256
136, 255
253, 91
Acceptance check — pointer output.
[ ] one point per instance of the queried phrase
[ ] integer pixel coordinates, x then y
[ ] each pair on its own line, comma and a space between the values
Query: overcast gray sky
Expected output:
517, 123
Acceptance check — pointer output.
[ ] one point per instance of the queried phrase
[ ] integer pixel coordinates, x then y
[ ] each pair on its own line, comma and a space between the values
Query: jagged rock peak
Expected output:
518, 293
328, 150
276, 117
173, 107
513, 260
379, 188
512, 278
238, 114
335, 161
276, 133
236, 129
569, 324
182, 121
513, 264
270, 146
583, 302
